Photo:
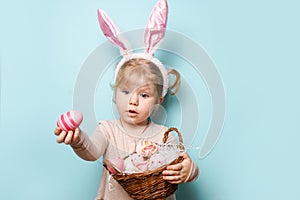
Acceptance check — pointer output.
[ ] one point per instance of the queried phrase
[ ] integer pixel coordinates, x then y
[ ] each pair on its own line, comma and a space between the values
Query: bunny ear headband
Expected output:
154, 33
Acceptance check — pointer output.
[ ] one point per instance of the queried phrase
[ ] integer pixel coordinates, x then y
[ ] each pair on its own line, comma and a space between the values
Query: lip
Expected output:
131, 112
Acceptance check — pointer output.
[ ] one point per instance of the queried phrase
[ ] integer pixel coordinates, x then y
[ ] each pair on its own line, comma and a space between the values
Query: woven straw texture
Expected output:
148, 185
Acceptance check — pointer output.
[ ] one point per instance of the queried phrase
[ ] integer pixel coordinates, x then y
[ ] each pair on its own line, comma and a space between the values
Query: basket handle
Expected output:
166, 135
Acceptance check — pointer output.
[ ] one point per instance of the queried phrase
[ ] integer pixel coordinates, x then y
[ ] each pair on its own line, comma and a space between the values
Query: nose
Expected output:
134, 100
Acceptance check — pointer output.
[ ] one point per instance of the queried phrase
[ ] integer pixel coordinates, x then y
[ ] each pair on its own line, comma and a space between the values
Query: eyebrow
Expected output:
148, 86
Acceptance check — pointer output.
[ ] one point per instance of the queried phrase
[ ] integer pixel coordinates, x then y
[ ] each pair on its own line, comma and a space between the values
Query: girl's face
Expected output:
135, 99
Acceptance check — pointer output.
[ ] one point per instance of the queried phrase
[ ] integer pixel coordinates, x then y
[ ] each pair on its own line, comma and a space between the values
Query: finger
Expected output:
172, 179
69, 137
184, 155
61, 137
57, 131
171, 173
76, 135
176, 167
174, 182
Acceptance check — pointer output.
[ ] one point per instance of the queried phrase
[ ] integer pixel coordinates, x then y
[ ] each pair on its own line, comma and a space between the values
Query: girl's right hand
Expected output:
70, 137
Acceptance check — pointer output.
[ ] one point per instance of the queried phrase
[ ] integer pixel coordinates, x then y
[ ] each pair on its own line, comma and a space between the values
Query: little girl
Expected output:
140, 84
138, 88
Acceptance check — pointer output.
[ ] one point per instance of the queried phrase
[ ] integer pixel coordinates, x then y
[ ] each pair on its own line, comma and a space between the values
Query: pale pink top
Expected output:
110, 140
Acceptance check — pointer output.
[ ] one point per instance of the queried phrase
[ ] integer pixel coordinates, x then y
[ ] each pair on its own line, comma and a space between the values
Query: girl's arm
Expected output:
88, 148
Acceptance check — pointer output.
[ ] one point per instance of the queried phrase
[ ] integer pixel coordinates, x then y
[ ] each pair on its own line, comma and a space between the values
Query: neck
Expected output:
135, 128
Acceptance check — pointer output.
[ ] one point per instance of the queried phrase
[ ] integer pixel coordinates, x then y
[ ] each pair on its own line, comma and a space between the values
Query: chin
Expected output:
138, 122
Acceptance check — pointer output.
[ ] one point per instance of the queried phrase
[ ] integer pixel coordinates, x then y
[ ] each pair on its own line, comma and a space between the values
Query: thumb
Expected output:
184, 155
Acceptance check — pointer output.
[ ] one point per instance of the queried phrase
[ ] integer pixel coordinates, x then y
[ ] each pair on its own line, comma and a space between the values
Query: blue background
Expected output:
254, 44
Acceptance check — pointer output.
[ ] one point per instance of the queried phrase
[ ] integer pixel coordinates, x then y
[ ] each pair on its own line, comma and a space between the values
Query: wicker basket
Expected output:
148, 185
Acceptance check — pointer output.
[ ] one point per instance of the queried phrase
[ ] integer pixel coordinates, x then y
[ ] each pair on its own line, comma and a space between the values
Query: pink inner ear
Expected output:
111, 31
156, 26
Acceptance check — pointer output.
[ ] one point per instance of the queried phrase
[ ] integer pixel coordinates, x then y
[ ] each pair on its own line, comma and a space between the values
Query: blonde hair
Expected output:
148, 70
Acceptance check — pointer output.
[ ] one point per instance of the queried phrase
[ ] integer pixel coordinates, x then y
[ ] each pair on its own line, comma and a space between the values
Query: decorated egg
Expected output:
146, 148
149, 150
70, 120
118, 165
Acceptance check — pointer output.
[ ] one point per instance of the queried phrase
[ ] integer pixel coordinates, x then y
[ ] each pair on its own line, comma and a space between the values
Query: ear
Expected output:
156, 26
111, 31
160, 100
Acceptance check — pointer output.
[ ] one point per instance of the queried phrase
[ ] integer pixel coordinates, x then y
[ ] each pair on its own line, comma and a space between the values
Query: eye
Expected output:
144, 95
125, 91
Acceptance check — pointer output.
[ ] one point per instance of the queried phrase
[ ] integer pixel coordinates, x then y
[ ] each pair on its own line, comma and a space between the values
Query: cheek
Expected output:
120, 101
148, 106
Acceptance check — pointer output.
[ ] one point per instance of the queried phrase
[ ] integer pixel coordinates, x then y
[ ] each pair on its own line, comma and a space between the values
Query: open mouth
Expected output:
132, 111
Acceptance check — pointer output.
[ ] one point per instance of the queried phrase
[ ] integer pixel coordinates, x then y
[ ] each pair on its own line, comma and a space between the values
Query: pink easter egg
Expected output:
70, 120
149, 150
117, 163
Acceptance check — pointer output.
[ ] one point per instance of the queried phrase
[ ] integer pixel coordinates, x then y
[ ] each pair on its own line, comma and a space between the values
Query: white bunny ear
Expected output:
111, 31
156, 26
